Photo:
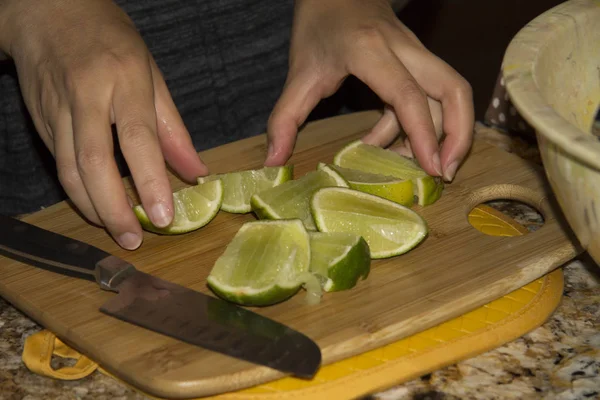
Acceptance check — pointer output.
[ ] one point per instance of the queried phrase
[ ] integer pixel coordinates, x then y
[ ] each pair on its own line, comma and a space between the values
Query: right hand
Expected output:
82, 67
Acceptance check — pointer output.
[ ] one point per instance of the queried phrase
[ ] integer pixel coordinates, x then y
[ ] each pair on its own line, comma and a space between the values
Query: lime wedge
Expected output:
195, 206
239, 186
377, 160
291, 199
339, 259
389, 228
265, 263
395, 189
428, 189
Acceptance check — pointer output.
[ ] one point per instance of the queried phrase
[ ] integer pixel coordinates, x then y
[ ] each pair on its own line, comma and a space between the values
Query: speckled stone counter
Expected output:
558, 360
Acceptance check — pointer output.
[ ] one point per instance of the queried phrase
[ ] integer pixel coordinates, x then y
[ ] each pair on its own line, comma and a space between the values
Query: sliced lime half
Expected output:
395, 189
291, 199
376, 160
239, 186
389, 228
195, 206
265, 263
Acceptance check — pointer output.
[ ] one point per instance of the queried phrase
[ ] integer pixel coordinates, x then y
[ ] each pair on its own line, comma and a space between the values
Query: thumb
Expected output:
301, 94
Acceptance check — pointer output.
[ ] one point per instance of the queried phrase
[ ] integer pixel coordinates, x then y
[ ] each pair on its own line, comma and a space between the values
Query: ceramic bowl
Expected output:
551, 71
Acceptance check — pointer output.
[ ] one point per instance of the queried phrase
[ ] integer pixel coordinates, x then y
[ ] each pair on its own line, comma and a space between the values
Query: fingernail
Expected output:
271, 154
450, 171
270, 151
437, 164
130, 241
160, 215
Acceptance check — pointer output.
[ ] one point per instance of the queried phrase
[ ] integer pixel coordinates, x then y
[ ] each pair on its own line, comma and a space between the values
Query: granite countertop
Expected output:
558, 360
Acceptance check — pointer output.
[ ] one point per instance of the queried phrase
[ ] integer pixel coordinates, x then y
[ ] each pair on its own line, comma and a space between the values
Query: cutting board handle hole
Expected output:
520, 207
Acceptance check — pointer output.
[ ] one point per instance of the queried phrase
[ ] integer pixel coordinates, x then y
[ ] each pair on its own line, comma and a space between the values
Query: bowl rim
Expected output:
518, 71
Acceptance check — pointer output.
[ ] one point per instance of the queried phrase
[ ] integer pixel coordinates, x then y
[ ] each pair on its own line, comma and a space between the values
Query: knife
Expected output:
162, 306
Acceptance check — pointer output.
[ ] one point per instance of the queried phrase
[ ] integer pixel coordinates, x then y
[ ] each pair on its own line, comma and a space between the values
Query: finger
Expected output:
378, 67
435, 108
135, 119
403, 148
66, 165
385, 131
98, 170
175, 142
300, 96
444, 84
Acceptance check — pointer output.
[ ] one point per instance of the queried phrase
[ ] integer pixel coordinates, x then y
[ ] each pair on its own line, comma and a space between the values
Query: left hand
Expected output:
332, 39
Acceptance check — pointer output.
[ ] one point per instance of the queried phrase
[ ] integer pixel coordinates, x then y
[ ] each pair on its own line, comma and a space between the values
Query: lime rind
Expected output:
339, 259
291, 199
195, 207
264, 263
239, 186
389, 228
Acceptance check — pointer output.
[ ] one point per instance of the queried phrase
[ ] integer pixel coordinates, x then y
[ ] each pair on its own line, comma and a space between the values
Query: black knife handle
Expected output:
30, 244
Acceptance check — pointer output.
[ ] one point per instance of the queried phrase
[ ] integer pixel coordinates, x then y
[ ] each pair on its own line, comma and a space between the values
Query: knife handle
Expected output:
35, 246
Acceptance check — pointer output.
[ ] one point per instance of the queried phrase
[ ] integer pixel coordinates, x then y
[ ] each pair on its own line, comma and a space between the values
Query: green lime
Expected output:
239, 186
195, 206
339, 259
389, 228
291, 199
428, 189
265, 263
377, 160
395, 189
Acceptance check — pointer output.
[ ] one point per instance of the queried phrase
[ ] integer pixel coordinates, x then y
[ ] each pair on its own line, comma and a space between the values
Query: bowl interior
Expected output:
552, 73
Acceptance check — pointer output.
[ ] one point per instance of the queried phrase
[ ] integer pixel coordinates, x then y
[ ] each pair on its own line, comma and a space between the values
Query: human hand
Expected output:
336, 38
82, 67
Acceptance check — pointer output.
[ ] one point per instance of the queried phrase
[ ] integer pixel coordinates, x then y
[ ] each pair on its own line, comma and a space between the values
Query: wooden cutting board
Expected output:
456, 269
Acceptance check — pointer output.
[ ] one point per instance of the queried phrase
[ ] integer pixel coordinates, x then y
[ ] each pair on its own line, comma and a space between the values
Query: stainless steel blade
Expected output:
202, 320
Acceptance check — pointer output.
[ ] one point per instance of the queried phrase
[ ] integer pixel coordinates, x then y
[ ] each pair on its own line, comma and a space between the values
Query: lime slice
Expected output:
265, 263
239, 186
195, 206
389, 228
291, 199
395, 189
339, 259
377, 160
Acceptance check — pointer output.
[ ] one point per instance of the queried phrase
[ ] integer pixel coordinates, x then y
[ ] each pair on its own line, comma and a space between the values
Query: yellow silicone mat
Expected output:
473, 333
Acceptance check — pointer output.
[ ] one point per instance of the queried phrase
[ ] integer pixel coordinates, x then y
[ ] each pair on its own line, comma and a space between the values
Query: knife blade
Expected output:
164, 307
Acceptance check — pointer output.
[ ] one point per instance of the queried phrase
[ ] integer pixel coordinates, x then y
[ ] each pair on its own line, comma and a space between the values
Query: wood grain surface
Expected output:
454, 270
